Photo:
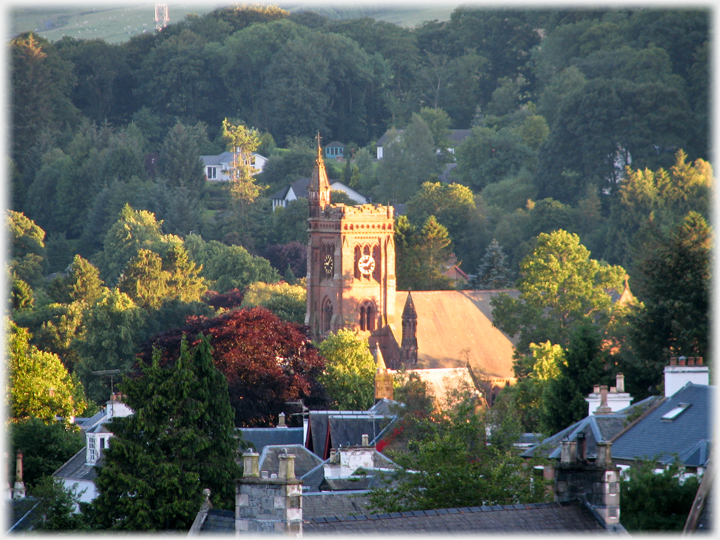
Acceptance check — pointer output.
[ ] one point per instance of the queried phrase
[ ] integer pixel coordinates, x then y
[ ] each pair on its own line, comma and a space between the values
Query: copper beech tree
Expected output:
267, 362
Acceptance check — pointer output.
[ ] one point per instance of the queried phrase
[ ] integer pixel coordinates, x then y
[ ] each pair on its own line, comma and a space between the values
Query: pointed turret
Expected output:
383, 377
408, 345
319, 187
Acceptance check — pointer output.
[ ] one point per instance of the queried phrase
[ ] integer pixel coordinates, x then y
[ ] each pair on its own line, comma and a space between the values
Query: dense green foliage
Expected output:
448, 464
349, 375
45, 447
651, 501
178, 442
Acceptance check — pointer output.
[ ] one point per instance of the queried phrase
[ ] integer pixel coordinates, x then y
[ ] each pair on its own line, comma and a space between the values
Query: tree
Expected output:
135, 230
179, 161
656, 501
560, 286
451, 204
349, 376
241, 143
45, 447
178, 442
493, 272
228, 267
675, 317
291, 254
563, 400
284, 300
150, 279
408, 160
422, 255
27, 255
56, 505
266, 361
451, 464
38, 384
113, 329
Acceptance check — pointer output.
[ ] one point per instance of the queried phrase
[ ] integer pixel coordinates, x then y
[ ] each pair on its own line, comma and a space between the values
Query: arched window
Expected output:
368, 316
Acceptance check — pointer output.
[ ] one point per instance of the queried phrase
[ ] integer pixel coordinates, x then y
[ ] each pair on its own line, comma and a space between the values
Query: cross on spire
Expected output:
319, 138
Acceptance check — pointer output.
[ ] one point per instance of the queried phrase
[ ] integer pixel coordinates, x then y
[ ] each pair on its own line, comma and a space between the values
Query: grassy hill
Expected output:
119, 23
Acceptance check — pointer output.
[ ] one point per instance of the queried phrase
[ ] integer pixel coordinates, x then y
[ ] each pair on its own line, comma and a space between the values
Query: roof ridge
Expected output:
439, 511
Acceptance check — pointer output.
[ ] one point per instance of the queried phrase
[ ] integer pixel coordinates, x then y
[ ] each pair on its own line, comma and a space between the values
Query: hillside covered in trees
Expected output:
592, 122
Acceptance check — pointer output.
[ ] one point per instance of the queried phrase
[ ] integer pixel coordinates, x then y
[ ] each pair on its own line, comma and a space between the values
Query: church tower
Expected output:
408, 345
350, 263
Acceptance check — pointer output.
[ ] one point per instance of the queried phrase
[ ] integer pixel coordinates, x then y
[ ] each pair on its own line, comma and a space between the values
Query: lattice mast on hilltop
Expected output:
162, 16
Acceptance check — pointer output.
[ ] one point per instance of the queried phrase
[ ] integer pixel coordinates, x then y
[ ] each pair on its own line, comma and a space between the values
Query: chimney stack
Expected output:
620, 383
604, 408
682, 371
269, 505
581, 448
365, 441
19, 487
281, 420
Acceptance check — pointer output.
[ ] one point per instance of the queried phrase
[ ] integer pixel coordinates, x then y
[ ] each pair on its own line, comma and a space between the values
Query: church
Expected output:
351, 284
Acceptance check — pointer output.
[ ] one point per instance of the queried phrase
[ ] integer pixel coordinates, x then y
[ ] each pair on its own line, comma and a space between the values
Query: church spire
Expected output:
319, 187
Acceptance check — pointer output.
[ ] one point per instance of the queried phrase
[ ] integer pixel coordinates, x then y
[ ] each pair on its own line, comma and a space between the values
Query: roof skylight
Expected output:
672, 414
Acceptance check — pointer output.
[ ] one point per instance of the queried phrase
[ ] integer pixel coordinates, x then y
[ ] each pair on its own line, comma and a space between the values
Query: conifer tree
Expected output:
178, 442
493, 272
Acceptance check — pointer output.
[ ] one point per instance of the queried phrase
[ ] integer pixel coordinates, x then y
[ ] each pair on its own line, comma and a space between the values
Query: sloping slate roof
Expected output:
218, 521
282, 194
596, 428
262, 437
386, 407
519, 518
305, 460
455, 325
347, 428
21, 514
652, 437
334, 504
76, 468
459, 135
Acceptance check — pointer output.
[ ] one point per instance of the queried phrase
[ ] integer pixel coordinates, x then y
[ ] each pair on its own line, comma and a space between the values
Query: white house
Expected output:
79, 471
298, 190
217, 167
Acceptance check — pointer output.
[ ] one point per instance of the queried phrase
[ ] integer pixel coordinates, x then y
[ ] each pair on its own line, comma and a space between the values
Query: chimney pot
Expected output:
620, 383
565, 451
263, 474
251, 463
596, 389
581, 447
287, 466
673, 360
281, 420
365, 441
681, 361
698, 360
604, 453
691, 361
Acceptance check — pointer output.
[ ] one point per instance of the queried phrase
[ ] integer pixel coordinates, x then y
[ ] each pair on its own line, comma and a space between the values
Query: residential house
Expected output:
217, 167
78, 472
335, 150
660, 427
456, 137
587, 501
298, 190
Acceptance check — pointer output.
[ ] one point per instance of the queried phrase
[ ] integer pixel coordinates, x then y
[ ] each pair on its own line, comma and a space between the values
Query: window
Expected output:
212, 173
92, 449
368, 314
672, 414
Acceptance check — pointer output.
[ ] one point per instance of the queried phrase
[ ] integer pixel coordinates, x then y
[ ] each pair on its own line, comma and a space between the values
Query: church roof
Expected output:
455, 327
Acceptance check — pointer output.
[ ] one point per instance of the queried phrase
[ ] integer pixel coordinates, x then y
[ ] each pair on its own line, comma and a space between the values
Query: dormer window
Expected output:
672, 414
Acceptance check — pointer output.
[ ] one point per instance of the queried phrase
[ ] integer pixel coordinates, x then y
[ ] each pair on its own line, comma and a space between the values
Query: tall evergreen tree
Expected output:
178, 442
493, 272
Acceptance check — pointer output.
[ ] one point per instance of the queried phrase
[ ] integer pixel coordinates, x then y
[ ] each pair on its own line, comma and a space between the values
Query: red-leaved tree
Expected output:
267, 362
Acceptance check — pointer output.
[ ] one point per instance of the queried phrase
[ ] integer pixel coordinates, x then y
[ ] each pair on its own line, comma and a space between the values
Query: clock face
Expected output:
366, 265
328, 265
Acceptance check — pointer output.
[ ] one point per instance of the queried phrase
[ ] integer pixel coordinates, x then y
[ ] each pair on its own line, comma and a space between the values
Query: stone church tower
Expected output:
350, 263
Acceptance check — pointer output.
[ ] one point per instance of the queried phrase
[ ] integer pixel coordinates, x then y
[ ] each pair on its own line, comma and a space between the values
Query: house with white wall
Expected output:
217, 167
78, 473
